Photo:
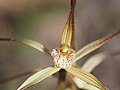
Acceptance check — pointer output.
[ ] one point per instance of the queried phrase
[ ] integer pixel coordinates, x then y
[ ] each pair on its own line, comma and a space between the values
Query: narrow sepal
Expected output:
86, 77
66, 37
38, 77
31, 43
94, 45
94, 61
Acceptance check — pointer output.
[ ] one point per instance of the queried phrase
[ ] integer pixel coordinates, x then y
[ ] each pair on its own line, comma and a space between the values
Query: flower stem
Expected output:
61, 80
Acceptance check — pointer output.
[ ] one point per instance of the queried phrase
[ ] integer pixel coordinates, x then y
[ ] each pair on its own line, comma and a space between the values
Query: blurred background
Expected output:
43, 21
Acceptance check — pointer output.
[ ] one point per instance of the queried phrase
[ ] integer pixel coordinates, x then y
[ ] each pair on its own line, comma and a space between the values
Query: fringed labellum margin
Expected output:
63, 56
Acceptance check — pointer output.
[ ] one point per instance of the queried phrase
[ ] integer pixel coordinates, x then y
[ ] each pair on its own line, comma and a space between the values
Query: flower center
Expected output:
63, 56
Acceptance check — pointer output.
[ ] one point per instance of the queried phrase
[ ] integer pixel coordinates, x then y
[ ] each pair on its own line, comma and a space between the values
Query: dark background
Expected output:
43, 21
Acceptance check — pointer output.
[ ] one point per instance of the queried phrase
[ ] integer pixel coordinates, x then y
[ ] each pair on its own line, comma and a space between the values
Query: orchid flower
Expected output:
64, 57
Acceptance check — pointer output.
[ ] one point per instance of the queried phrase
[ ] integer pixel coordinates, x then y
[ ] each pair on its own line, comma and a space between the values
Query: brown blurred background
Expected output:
43, 21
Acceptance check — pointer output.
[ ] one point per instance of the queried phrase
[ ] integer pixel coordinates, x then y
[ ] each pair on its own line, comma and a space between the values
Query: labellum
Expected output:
63, 56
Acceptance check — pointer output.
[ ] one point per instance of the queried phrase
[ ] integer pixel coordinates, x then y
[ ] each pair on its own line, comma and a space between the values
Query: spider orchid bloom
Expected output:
64, 56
